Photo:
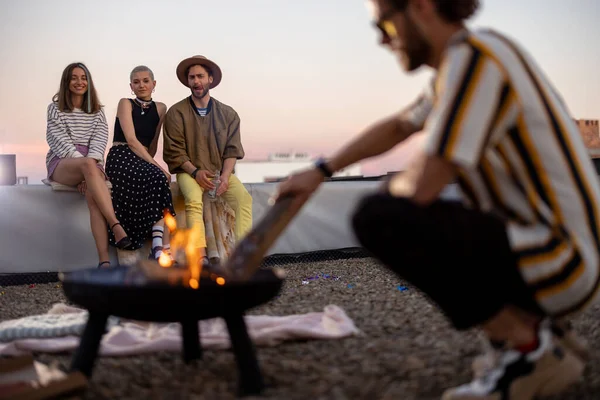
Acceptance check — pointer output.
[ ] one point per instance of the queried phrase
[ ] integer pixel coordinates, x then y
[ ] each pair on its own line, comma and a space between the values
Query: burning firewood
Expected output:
245, 260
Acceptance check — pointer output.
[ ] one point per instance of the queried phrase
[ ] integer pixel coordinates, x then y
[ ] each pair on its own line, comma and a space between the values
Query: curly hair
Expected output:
450, 10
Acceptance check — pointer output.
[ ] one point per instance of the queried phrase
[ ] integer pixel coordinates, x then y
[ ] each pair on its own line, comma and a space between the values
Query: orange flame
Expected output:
165, 261
170, 222
192, 254
184, 240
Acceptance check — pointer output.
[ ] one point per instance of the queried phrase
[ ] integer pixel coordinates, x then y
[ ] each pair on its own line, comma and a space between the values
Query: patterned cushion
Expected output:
47, 326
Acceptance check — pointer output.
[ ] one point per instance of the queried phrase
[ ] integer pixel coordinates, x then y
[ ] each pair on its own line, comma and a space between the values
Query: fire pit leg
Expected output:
86, 353
192, 349
251, 382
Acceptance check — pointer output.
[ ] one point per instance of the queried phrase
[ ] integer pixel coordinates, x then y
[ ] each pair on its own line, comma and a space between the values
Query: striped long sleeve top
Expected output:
66, 129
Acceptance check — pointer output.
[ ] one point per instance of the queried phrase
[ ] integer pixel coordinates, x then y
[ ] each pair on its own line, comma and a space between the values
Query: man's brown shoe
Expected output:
563, 333
546, 371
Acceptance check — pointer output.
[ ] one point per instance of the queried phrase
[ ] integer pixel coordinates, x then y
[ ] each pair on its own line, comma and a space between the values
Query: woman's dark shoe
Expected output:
102, 263
153, 252
125, 243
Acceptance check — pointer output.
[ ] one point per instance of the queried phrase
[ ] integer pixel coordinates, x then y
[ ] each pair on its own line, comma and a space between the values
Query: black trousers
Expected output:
460, 258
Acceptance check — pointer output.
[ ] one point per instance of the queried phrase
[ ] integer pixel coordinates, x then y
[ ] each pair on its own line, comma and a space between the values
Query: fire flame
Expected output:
183, 240
165, 261
170, 222
192, 255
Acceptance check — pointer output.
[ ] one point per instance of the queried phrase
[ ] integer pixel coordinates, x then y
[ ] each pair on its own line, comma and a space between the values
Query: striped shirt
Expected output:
493, 113
66, 129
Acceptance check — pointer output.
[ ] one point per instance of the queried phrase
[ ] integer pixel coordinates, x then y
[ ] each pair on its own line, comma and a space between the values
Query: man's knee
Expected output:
374, 212
376, 208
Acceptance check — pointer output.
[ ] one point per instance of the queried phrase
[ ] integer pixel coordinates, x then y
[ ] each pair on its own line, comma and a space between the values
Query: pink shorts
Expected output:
55, 160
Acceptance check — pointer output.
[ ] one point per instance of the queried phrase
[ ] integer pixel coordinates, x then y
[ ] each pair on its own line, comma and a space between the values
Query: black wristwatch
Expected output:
322, 165
195, 172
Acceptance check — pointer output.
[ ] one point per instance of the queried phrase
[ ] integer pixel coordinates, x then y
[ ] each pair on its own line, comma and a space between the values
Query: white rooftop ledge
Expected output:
46, 231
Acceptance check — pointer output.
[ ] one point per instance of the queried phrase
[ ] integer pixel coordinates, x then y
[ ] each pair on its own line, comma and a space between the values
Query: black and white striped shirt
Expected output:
494, 113
66, 129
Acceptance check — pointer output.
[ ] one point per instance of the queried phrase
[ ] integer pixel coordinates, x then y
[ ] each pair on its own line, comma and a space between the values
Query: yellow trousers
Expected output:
236, 196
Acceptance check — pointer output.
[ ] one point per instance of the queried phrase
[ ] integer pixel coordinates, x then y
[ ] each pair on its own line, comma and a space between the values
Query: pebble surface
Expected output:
406, 349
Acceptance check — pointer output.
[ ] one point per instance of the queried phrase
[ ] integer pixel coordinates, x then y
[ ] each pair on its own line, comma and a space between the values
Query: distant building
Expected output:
280, 165
590, 132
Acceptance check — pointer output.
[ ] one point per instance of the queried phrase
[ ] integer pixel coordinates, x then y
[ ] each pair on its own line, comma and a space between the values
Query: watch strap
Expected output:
322, 165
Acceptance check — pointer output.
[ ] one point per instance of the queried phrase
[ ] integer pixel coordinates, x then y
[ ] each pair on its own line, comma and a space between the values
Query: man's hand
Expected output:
301, 185
82, 187
403, 184
224, 185
203, 177
424, 180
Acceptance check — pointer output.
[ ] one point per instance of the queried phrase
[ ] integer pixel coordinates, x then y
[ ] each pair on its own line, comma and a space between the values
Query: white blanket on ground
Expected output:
131, 337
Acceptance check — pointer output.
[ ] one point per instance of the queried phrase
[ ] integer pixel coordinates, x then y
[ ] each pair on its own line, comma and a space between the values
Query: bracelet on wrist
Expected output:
193, 174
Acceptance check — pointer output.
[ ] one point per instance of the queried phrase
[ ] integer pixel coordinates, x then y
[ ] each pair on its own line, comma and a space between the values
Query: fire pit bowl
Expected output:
127, 292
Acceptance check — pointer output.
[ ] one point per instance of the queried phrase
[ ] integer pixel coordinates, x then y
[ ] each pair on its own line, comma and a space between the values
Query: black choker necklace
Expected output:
143, 104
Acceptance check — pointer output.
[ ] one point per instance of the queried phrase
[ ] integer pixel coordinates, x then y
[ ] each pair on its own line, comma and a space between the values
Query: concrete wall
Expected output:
44, 230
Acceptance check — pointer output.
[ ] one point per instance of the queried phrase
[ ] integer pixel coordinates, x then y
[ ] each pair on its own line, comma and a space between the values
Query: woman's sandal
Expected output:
102, 263
125, 243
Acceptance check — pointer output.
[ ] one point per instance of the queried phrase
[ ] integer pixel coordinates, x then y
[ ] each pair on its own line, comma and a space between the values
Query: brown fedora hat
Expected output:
199, 60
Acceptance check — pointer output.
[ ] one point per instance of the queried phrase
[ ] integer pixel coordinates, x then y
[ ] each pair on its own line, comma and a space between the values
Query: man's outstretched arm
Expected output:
376, 140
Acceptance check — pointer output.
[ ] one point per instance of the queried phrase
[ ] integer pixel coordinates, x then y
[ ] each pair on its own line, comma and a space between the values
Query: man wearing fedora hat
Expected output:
202, 136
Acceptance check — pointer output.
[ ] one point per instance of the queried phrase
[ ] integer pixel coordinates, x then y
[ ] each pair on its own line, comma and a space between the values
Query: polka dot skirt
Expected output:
140, 194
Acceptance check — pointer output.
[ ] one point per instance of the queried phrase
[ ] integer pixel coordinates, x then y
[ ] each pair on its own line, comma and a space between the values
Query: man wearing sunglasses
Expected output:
520, 250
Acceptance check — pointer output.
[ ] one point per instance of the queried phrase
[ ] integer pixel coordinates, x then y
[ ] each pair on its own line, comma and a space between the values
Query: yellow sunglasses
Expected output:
385, 26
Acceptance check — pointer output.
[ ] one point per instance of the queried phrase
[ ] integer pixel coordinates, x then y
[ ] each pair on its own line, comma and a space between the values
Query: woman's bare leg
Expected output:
166, 234
71, 171
98, 224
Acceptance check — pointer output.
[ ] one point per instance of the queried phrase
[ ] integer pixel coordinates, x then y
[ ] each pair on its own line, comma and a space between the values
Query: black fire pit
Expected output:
128, 292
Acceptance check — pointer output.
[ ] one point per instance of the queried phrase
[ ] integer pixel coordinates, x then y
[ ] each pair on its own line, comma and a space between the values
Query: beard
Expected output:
205, 90
417, 51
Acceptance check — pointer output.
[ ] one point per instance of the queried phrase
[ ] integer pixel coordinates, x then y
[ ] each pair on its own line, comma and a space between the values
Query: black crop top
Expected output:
145, 125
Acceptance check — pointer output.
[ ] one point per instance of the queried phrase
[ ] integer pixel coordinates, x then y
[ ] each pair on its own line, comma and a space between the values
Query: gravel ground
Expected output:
406, 350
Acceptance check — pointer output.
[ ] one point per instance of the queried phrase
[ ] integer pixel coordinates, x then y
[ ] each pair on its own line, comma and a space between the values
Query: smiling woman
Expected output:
77, 134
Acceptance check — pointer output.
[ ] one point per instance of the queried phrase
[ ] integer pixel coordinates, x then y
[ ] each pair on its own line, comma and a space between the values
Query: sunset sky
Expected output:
303, 75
